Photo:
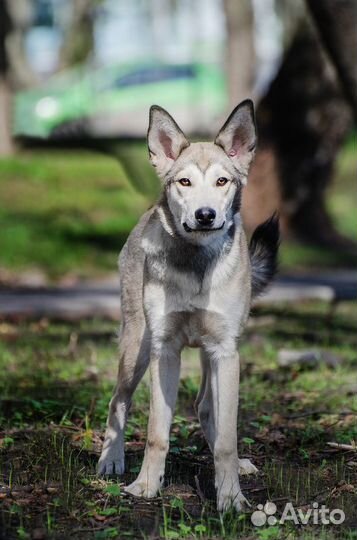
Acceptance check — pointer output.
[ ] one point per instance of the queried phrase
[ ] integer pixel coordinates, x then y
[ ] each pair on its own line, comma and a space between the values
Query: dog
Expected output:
187, 279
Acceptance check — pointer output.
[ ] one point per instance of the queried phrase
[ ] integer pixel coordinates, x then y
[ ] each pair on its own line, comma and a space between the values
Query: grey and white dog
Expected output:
187, 279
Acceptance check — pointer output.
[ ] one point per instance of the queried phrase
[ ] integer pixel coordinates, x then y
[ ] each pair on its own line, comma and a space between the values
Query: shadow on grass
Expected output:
48, 480
75, 227
49, 484
56, 384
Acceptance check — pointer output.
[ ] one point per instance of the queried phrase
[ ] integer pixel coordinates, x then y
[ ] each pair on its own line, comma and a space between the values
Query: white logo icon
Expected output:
264, 514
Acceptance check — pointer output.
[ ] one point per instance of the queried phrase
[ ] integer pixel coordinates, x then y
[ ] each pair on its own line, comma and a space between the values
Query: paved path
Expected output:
103, 301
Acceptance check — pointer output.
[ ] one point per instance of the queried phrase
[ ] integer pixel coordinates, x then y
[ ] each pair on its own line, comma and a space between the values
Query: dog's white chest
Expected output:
196, 301
191, 316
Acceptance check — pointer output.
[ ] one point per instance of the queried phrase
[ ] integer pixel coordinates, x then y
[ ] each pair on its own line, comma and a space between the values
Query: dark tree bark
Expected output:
5, 27
336, 21
302, 122
6, 144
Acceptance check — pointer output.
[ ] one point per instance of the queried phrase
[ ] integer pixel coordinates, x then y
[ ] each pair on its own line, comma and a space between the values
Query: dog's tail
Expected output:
263, 252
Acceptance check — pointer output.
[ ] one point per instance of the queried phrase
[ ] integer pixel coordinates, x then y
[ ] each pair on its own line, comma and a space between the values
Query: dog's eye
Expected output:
185, 182
221, 181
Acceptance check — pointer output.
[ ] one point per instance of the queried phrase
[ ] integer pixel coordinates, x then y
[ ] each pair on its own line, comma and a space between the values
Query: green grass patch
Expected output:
56, 381
341, 204
64, 212
71, 212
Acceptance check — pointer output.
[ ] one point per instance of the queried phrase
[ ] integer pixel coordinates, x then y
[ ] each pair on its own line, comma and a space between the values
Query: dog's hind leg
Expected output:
203, 403
134, 359
205, 413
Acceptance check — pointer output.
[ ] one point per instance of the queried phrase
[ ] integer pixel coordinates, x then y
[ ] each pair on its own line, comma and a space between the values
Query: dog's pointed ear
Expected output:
238, 137
165, 140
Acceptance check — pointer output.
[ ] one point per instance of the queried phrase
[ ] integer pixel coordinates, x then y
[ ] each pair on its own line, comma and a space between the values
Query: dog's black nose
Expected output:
205, 215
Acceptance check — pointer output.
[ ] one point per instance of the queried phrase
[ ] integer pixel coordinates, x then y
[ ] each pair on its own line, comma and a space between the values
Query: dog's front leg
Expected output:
164, 379
225, 392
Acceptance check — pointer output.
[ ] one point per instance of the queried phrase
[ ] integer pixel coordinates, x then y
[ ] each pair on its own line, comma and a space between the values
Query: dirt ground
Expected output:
56, 379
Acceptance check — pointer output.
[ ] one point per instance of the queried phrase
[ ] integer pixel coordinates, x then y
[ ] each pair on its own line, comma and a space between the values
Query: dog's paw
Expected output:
245, 466
111, 460
231, 497
229, 493
142, 489
109, 466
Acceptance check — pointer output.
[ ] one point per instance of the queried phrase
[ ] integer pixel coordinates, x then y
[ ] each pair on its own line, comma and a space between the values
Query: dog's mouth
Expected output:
202, 229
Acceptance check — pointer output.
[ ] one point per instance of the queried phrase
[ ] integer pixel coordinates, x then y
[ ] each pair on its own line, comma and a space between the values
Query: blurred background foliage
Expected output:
77, 78
76, 82
67, 213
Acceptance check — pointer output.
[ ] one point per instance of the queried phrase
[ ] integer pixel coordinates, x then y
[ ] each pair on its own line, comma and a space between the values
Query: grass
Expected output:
340, 202
56, 381
66, 212
341, 206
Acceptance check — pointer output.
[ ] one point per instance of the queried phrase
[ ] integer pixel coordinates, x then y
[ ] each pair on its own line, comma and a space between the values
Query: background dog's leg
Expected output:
203, 404
225, 390
134, 359
164, 372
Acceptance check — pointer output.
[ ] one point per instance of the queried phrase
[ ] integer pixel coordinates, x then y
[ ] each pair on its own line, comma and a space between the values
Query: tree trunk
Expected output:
78, 40
336, 21
20, 72
6, 143
240, 54
302, 122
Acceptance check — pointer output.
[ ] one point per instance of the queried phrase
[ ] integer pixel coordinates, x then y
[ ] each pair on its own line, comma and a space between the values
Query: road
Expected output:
92, 300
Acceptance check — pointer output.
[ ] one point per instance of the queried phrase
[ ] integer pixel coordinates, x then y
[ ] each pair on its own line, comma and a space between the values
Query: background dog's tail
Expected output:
263, 252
